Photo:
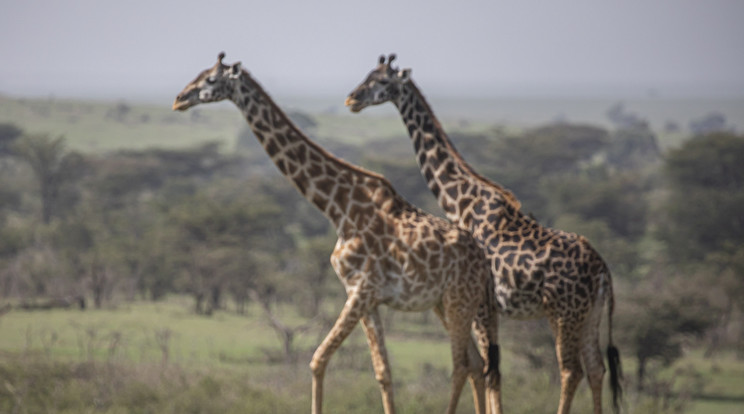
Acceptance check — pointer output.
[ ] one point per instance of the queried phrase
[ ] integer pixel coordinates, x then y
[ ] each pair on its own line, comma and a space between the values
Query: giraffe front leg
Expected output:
345, 323
373, 328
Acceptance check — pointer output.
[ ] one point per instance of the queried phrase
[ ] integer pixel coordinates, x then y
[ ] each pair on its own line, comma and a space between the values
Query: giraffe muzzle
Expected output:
183, 101
181, 105
353, 104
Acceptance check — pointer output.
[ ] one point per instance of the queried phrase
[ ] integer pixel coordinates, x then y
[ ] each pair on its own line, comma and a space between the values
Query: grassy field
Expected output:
98, 126
163, 353
156, 344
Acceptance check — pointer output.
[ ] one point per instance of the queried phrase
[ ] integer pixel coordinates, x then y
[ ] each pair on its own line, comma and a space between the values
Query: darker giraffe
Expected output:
388, 251
538, 271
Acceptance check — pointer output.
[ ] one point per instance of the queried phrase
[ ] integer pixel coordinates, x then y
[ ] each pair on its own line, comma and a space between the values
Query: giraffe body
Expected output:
388, 252
537, 271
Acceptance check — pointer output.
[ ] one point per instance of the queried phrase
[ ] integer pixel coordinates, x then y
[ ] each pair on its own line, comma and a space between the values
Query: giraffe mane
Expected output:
509, 197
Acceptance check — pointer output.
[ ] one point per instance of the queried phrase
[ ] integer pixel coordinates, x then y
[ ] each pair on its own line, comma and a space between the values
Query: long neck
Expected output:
329, 183
461, 192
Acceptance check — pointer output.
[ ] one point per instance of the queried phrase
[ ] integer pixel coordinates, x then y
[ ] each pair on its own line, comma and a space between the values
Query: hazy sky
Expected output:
147, 48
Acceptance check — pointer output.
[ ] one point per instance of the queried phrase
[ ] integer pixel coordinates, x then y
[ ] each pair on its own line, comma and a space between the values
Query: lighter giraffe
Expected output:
538, 271
388, 251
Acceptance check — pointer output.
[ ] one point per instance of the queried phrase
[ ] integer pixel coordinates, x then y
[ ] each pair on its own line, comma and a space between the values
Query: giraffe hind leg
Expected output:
475, 366
591, 355
595, 370
567, 346
475, 375
459, 331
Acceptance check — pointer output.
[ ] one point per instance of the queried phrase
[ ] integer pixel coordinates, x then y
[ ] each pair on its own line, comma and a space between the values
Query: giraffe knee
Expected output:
572, 375
460, 371
384, 378
317, 367
596, 374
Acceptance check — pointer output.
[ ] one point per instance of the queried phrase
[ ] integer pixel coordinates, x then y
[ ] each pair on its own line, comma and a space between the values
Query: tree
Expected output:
656, 324
55, 170
633, 148
704, 213
84, 242
596, 194
522, 162
703, 220
9, 133
713, 122
623, 119
127, 175
219, 229
312, 262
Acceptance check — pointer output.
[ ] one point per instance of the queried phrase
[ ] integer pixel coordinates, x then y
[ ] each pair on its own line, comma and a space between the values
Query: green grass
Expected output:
93, 334
67, 357
217, 350
89, 126
723, 379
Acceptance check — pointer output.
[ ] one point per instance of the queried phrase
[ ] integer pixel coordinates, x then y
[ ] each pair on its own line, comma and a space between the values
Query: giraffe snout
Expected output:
184, 100
353, 101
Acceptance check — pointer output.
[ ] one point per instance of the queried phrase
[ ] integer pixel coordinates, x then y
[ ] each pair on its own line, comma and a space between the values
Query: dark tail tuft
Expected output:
493, 361
616, 374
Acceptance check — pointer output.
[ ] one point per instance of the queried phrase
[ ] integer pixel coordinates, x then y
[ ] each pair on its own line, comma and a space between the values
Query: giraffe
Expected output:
388, 251
537, 271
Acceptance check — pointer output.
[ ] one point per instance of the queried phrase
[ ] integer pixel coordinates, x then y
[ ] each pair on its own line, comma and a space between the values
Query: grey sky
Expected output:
146, 48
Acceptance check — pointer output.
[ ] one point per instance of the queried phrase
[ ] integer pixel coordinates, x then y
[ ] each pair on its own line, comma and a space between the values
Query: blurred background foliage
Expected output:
217, 224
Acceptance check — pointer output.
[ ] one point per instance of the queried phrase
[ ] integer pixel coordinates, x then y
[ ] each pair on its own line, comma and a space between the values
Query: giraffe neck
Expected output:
461, 192
329, 183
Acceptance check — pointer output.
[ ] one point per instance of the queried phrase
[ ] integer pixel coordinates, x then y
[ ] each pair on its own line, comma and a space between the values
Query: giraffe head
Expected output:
212, 85
383, 84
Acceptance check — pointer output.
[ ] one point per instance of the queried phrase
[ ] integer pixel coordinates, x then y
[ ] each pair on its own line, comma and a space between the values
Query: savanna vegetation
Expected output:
157, 262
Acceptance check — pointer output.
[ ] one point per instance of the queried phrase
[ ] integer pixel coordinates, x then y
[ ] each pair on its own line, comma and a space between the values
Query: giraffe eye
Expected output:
383, 82
211, 79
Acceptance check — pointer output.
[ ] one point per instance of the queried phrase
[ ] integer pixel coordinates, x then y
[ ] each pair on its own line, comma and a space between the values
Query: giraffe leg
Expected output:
459, 321
373, 328
475, 376
345, 323
567, 349
486, 331
475, 364
592, 357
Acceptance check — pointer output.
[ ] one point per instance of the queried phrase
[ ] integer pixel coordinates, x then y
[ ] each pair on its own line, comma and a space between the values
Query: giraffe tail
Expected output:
485, 326
494, 355
492, 371
613, 355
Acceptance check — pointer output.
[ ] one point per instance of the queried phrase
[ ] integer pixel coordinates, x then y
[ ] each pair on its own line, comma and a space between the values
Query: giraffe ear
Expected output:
404, 75
235, 70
